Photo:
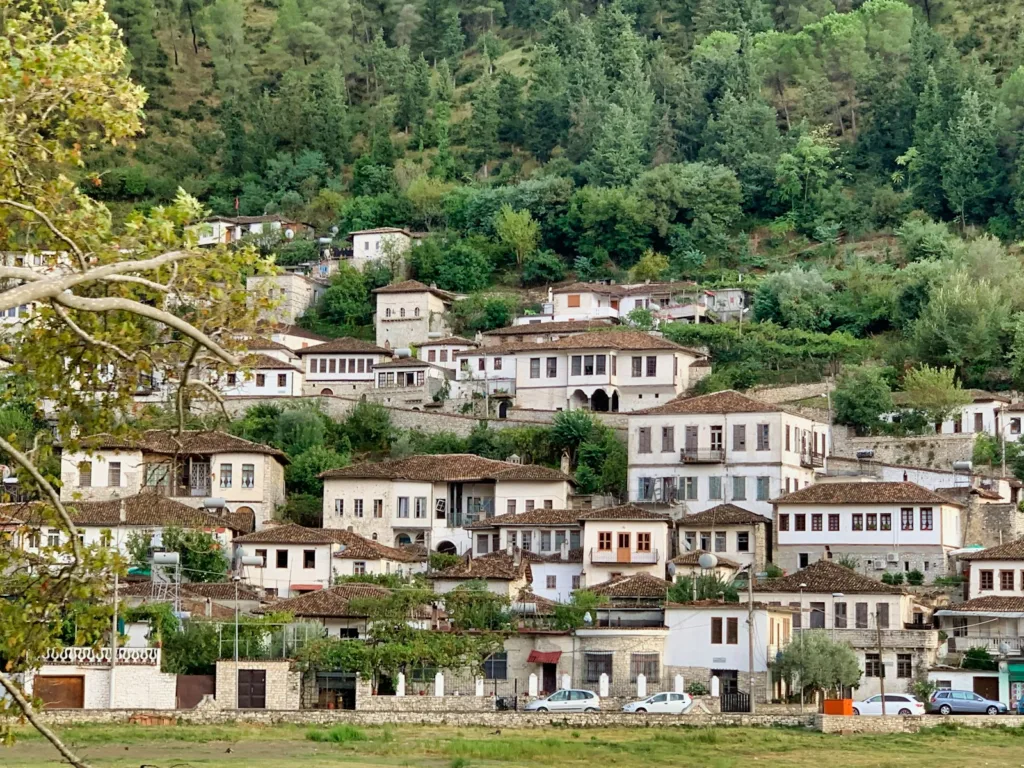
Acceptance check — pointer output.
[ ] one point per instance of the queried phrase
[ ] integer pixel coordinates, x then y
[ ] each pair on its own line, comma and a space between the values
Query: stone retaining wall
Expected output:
910, 724
934, 451
418, 704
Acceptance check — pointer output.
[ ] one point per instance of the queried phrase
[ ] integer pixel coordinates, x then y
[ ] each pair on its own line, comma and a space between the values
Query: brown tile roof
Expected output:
344, 345
543, 606
623, 512
963, 493
626, 290
361, 548
415, 286
541, 517
407, 362
170, 443
639, 585
330, 603
976, 395
864, 493
266, 362
447, 467
295, 330
565, 326
719, 605
1011, 550
693, 559
219, 590
581, 287
290, 533
381, 231
258, 344
243, 522
662, 287
499, 566
989, 603
727, 401
723, 514
144, 509
447, 341
611, 339
824, 576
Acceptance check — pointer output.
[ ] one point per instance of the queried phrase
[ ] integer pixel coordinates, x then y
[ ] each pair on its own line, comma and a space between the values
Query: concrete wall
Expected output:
284, 684
143, 686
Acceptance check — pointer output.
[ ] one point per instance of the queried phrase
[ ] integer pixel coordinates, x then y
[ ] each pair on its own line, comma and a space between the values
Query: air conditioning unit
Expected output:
892, 557
879, 565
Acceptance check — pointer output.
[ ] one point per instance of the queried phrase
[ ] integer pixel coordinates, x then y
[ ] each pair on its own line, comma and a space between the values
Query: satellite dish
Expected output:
672, 570
289, 233
707, 561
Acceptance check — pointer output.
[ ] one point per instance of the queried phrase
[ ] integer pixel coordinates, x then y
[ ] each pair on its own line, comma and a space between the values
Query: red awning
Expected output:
543, 657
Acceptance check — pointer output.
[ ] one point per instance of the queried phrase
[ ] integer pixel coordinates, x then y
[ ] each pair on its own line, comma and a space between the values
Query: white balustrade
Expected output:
532, 687
566, 681
603, 685
85, 656
679, 684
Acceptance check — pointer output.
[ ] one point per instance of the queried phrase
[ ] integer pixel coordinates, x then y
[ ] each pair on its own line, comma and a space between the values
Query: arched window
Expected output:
387, 312
401, 312
402, 540
374, 537
416, 311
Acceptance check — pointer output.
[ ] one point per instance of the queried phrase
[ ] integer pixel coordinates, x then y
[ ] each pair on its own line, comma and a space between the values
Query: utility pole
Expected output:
750, 632
113, 637
881, 664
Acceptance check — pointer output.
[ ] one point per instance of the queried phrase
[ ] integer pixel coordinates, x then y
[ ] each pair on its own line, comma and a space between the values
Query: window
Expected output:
545, 541
262, 555
817, 616
481, 364
496, 666
688, 488
907, 519
444, 356
839, 616
401, 312
732, 630
552, 367
85, 474
861, 615
872, 521
114, 474
739, 437
705, 541
225, 476
762, 437
534, 367
652, 365
783, 522
232, 379
53, 537
510, 507
496, 363
309, 558
763, 488
261, 379
638, 367
529, 505
885, 521
1014, 426
559, 539
601, 365
403, 506
904, 665
483, 542
644, 440
596, 664
717, 441
715, 488
552, 582
858, 522
381, 379
281, 558
604, 541
787, 437
378, 508
574, 539
872, 665
357, 507
833, 522
742, 541
986, 580
926, 518
527, 541
668, 439
646, 664
420, 507
800, 522
248, 475
1006, 580
282, 379
643, 542
716, 630
573, 300
359, 568
339, 507
720, 541
815, 522
588, 365
689, 541
739, 489
431, 356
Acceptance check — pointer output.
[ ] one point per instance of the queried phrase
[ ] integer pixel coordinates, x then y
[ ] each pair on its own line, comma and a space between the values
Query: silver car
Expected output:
566, 700
946, 702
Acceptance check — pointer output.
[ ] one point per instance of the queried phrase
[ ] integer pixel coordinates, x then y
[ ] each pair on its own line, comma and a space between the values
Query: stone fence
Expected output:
910, 723
934, 451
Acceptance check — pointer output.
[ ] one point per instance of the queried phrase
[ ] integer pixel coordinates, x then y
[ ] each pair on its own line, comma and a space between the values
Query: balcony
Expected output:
623, 556
812, 460
84, 656
988, 642
706, 456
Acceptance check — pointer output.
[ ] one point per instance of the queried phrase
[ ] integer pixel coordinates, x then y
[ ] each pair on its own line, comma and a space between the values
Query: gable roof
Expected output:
581, 287
361, 548
165, 441
259, 344
541, 517
268, 363
865, 493
447, 468
291, 533
294, 330
542, 606
381, 231
217, 590
638, 585
1011, 550
723, 514
726, 401
346, 344
623, 512
415, 286
498, 566
144, 509
332, 602
987, 604
611, 339
565, 326
448, 341
824, 576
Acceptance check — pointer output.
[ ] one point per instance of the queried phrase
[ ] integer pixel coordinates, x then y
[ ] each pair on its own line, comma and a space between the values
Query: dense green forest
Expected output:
857, 165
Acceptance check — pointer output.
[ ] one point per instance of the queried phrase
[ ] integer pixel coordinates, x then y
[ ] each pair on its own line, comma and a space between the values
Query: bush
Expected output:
697, 689
339, 734
894, 579
915, 578
543, 267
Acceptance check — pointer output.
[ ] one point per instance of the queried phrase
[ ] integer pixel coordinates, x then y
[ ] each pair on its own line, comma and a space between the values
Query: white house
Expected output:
983, 414
430, 500
409, 313
341, 366
443, 352
230, 229
488, 368
602, 371
881, 526
189, 467
373, 244
710, 638
623, 541
862, 612
728, 531
265, 376
539, 328
699, 452
292, 295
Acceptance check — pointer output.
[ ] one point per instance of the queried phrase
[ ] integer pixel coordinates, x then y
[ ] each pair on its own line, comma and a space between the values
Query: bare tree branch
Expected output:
30, 714
214, 393
63, 314
152, 284
50, 225
185, 373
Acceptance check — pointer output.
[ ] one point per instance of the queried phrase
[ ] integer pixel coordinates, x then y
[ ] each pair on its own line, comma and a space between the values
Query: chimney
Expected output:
509, 549
122, 513
564, 552
565, 462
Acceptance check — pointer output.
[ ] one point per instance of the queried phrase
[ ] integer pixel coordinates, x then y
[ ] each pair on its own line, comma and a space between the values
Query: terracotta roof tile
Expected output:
498, 565
330, 603
259, 344
864, 493
144, 509
639, 585
727, 401
623, 512
407, 362
565, 326
381, 231
542, 606
219, 590
1011, 550
447, 467
266, 362
360, 548
719, 605
344, 345
541, 517
581, 287
611, 339
415, 286
963, 493
990, 603
290, 533
448, 341
693, 559
824, 576
723, 514
295, 330
167, 442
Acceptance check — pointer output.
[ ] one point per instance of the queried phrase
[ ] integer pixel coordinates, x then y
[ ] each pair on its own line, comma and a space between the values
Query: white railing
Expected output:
83, 656
617, 556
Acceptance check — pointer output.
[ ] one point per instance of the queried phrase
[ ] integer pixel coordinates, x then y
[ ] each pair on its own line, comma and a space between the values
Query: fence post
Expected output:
603, 686
715, 686
641, 686
679, 684
439, 685
479, 687
566, 681
400, 686
532, 690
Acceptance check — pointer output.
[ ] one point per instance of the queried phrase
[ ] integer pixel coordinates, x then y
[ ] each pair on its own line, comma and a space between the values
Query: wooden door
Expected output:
623, 553
549, 677
252, 689
60, 692
690, 440
987, 687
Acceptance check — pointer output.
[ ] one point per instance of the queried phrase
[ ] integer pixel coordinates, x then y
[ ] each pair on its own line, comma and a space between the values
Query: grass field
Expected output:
445, 747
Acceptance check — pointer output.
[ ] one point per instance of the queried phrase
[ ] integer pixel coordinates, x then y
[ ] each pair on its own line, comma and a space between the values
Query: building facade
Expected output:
342, 366
410, 313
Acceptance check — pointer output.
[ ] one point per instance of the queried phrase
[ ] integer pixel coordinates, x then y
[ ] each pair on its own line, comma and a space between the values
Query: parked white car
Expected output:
566, 700
661, 703
895, 704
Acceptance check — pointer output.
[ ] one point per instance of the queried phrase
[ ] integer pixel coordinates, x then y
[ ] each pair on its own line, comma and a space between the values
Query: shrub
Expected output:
697, 688
339, 734
915, 578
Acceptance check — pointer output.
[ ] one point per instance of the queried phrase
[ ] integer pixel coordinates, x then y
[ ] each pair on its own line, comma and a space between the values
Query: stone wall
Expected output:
702, 675
790, 393
934, 451
284, 684
992, 524
910, 724
419, 704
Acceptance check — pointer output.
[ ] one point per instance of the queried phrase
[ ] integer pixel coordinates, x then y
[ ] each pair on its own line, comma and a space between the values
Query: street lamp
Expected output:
803, 586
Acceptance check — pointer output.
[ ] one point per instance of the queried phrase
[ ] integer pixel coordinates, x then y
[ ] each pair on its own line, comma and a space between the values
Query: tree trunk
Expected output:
785, 106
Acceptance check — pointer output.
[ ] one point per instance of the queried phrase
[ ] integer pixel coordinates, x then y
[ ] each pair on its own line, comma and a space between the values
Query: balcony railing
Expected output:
812, 459
85, 656
1013, 645
705, 456
629, 557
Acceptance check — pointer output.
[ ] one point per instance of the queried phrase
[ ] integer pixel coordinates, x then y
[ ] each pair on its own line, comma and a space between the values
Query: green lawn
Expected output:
445, 747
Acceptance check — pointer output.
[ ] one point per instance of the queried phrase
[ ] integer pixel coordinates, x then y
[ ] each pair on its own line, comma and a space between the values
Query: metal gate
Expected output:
735, 701
190, 689
252, 689
58, 692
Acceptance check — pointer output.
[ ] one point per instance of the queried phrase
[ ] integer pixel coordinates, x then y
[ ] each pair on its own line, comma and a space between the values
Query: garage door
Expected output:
60, 692
987, 687
252, 689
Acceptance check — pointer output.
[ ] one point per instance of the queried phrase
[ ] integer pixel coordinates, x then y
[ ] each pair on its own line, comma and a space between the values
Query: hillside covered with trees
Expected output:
858, 166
